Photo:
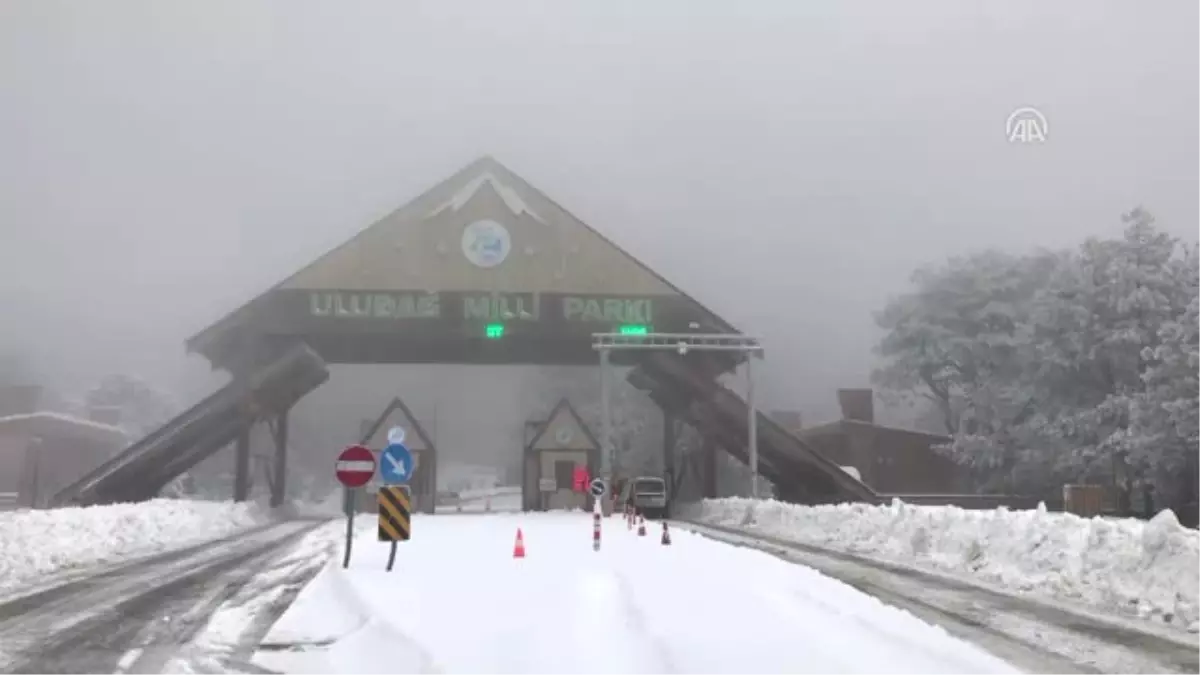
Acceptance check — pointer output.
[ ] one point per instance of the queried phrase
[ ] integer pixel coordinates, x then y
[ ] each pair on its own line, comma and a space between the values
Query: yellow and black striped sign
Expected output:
395, 510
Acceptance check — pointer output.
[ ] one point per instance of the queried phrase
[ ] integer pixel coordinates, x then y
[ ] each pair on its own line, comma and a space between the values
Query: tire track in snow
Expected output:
1030, 634
637, 622
94, 627
789, 604
605, 604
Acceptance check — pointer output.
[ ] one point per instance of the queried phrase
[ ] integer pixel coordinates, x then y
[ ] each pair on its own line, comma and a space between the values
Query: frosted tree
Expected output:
1096, 326
960, 341
1057, 367
1164, 429
143, 408
633, 420
688, 456
633, 416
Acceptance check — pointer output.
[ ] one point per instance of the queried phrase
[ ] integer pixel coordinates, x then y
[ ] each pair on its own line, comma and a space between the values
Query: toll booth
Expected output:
424, 479
561, 447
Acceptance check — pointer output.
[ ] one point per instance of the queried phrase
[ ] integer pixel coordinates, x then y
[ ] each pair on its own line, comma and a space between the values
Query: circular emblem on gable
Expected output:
564, 435
486, 243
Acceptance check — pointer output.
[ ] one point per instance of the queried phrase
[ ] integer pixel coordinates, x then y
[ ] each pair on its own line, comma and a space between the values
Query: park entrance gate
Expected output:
482, 268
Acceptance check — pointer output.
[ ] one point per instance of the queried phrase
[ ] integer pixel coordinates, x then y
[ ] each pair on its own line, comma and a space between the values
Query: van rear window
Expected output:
649, 487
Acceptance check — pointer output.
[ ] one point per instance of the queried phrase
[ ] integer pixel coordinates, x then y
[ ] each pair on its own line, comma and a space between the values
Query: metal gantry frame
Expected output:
606, 343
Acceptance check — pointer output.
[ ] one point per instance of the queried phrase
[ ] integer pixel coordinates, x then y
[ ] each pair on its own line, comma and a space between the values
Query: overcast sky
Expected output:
787, 162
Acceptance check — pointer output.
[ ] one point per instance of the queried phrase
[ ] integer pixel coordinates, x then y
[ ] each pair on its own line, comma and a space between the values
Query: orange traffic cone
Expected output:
641, 526
666, 538
519, 546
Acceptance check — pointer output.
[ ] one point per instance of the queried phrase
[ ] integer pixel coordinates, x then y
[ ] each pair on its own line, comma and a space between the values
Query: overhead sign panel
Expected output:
481, 257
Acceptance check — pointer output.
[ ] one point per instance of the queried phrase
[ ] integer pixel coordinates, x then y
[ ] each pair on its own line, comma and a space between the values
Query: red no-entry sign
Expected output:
355, 466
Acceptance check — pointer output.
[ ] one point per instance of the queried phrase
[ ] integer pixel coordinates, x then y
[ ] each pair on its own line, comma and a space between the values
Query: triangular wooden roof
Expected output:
394, 251
375, 436
563, 416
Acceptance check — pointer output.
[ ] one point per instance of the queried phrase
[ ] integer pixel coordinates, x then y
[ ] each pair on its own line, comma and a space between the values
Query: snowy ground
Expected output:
1131, 567
457, 601
38, 546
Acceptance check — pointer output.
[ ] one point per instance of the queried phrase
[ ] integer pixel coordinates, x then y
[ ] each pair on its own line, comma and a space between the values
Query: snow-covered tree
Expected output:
633, 416
959, 341
1055, 367
1164, 430
143, 407
634, 421
687, 455
1097, 325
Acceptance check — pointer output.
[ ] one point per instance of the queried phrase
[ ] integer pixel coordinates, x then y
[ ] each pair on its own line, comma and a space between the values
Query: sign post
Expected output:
354, 468
597, 487
396, 469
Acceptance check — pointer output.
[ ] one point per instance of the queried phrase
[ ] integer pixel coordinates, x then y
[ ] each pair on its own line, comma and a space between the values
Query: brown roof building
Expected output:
41, 452
891, 460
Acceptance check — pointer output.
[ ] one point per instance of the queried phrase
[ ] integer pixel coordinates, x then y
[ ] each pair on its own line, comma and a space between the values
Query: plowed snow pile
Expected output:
37, 544
1147, 569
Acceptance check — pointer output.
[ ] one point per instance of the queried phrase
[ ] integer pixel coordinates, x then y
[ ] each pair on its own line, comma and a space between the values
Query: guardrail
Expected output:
9, 500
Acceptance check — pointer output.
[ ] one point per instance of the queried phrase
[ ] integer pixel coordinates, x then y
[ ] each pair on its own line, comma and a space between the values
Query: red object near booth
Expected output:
580, 479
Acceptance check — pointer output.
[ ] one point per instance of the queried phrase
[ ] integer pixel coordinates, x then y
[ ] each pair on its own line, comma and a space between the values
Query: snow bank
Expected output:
267, 595
1147, 569
35, 544
328, 596
330, 627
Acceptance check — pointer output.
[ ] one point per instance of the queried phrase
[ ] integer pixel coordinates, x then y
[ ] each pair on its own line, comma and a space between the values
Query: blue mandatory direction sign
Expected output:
598, 487
395, 464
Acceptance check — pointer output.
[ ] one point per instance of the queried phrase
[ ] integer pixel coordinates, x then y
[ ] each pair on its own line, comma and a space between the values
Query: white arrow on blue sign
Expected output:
395, 464
598, 487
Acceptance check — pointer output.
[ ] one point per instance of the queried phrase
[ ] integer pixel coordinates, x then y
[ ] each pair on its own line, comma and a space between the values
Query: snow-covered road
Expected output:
134, 617
457, 601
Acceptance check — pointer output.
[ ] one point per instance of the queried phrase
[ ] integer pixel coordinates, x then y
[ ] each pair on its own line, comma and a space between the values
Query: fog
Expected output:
787, 163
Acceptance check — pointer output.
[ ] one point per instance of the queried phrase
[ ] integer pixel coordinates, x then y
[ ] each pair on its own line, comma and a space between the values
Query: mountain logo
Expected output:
486, 243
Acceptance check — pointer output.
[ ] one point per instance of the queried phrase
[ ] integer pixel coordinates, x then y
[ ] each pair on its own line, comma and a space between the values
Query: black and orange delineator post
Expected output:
395, 517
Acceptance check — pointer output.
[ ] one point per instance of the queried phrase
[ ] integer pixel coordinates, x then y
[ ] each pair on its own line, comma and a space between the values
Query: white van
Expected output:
647, 494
